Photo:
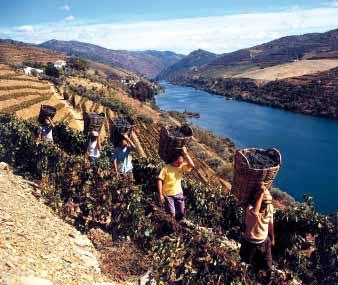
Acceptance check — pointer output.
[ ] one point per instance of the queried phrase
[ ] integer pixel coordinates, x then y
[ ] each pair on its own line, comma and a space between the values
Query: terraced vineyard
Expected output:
147, 134
17, 53
23, 95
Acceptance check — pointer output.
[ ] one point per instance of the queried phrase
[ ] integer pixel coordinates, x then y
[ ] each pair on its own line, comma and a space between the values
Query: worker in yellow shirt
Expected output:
169, 183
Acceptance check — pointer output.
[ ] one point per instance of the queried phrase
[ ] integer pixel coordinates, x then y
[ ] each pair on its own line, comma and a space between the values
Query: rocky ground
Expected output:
37, 247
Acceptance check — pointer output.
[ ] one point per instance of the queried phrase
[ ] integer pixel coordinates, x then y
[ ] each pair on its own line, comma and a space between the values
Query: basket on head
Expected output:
247, 178
173, 138
118, 127
46, 111
92, 122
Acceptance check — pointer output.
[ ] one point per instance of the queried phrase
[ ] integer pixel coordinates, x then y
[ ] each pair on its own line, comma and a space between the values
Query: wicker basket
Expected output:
93, 122
119, 127
170, 144
46, 111
247, 180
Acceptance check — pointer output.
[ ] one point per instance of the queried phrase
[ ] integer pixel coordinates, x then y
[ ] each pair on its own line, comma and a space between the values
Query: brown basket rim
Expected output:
167, 128
49, 106
240, 152
112, 122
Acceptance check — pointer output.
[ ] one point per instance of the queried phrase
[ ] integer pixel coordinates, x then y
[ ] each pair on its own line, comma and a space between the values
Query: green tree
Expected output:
51, 70
78, 63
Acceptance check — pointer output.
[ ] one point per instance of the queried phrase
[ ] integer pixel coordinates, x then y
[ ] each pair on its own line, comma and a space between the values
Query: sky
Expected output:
178, 25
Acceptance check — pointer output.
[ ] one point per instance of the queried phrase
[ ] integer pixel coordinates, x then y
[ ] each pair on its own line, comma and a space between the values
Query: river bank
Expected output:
314, 95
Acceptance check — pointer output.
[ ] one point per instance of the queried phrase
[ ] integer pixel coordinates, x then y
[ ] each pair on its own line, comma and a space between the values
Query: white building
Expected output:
30, 70
59, 64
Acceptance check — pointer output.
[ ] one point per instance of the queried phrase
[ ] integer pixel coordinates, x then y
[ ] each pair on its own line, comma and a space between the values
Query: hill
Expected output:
12, 52
311, 94
296, 73
202, 250
191, 62
23, 95
90, 92
148, 63
283, 50
288, 70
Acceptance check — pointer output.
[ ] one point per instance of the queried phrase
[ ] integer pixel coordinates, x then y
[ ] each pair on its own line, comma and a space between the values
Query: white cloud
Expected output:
69, 18
65, 7
218, 34
25, 29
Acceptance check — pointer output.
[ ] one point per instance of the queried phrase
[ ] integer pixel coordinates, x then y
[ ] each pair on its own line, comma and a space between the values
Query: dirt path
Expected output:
35, 243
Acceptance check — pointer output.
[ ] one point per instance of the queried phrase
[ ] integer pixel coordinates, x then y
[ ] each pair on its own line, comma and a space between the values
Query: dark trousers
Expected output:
258, 255
175, 206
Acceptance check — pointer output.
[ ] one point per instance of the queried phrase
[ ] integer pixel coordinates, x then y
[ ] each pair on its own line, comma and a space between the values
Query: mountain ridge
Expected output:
279, 51
195, 59
148, 63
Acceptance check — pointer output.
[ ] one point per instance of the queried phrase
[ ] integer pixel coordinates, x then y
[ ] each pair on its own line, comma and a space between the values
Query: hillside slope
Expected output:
32, 249
148, 123
12, 52
148, 63
296, 73
288, 70
283, 50
23, 95
311, 94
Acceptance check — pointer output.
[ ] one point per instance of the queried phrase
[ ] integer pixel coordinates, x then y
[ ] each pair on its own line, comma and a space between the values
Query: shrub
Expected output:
191, 254
224, 147
142, 91
51, 70
77, 63
71, 141
109, 102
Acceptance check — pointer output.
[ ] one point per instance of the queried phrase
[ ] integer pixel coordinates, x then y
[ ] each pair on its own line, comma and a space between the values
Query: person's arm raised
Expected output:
259, 200
188, 158
130, 142
51, 122
99, 145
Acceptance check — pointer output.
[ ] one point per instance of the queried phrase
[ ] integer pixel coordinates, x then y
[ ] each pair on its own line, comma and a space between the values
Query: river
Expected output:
309, 145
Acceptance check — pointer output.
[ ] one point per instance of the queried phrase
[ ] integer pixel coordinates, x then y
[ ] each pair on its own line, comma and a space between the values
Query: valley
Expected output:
130, 232
296, 73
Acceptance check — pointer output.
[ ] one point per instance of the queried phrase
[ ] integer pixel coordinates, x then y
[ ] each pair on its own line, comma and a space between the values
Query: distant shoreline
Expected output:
234, 95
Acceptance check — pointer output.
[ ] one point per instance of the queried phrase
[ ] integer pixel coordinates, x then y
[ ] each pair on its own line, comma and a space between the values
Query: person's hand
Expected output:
184, 150
161, 199
263, 188
125, 135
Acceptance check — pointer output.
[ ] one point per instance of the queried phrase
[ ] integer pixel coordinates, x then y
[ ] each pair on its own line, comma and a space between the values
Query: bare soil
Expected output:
35, 242
294, 69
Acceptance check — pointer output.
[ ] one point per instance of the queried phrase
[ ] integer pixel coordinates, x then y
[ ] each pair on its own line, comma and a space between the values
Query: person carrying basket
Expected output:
259, 233
169, 183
